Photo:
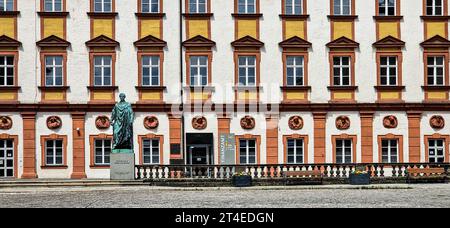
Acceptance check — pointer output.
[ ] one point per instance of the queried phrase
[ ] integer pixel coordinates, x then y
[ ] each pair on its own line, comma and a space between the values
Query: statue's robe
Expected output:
122, 117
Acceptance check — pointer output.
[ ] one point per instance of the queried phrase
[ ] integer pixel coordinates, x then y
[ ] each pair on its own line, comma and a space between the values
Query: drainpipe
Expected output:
183, 133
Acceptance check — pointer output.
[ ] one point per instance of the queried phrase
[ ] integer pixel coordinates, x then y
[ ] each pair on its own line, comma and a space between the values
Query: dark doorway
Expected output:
200, 154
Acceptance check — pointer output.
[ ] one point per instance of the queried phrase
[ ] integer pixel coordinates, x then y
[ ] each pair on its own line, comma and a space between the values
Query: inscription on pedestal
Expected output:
122, 166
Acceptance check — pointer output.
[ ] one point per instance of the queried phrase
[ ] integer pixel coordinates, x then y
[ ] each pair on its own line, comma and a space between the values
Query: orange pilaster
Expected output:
272, 140
414, 136
29, 145
78, 137
319, 136
367, 137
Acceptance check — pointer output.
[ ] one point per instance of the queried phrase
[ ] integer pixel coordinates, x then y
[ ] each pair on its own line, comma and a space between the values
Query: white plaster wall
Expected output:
66, 130
284, 129
355, 129
379, 129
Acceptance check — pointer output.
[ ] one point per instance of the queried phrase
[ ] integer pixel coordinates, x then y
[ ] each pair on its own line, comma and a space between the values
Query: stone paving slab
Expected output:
430, 195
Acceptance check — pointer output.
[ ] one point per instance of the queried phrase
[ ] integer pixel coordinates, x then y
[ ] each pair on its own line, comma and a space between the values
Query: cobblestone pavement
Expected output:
413, 196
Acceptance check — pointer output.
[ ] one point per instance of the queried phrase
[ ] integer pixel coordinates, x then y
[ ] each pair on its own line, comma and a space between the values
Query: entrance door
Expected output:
199, 158
199, 155
6, 158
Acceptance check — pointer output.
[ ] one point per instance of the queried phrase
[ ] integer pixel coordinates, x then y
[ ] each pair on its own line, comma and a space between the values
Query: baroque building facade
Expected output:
222, 82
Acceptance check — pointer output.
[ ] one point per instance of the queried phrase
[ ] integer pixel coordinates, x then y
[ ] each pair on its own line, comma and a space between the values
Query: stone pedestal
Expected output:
122, 166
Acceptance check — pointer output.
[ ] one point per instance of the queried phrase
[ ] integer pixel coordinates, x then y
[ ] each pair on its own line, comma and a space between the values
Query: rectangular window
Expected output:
341, 71
6, 5
246, 6
102, 71
435, 71
247, 70
389, 151
198, 70
150, 6
54, 152
388, 71
295, 151
197, 6
344, 151
342, 7
102, 6
294, 71
434, 8
294, 7
386, 7
150, 151
54, 71
102, 151
436, 150
247, 151
53, 5
150, 71
7, 71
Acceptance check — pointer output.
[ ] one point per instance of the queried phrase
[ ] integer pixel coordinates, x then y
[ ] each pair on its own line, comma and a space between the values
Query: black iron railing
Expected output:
375, 170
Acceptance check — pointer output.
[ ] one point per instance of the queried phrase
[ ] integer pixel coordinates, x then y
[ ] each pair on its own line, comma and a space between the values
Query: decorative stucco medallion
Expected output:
437, 122
390, 122
296, 123
248, 122
5, 123
199, 123
151, 122
102, 122
343, 123
54, 122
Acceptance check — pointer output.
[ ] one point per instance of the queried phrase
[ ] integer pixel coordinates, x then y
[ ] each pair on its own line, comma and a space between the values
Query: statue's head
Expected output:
122, 97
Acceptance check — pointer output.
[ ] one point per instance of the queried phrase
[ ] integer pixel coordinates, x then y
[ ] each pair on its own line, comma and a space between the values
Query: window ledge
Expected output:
441, 88
15, 88
93, 88
54, 167
198, 15
295, 88
435, 18
293, 16
98, 14
203, 88
150, 15
389, 88
52, 14
53, 87
240, 88
333, 88
247, 15
151, 88
100, 166
342, 17
9, 13
388, 18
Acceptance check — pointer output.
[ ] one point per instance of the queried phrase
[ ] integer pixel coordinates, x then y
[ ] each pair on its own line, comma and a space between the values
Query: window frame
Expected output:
247, 66
437, 136
92, 139
302, 7
94, 10
305, 140
435, 67
103, 148
296, 67
388, 67
197, 7
443, 8
113, 60
53, 137
341, 67
5, 5
386, 7
352, 139
53, 2
199, 67
15, 141
400, 146
399, 56
257, 140
6, 66
392, 146
54, 66
351, 8
256, 7
141, 139
141, 6
142, 66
